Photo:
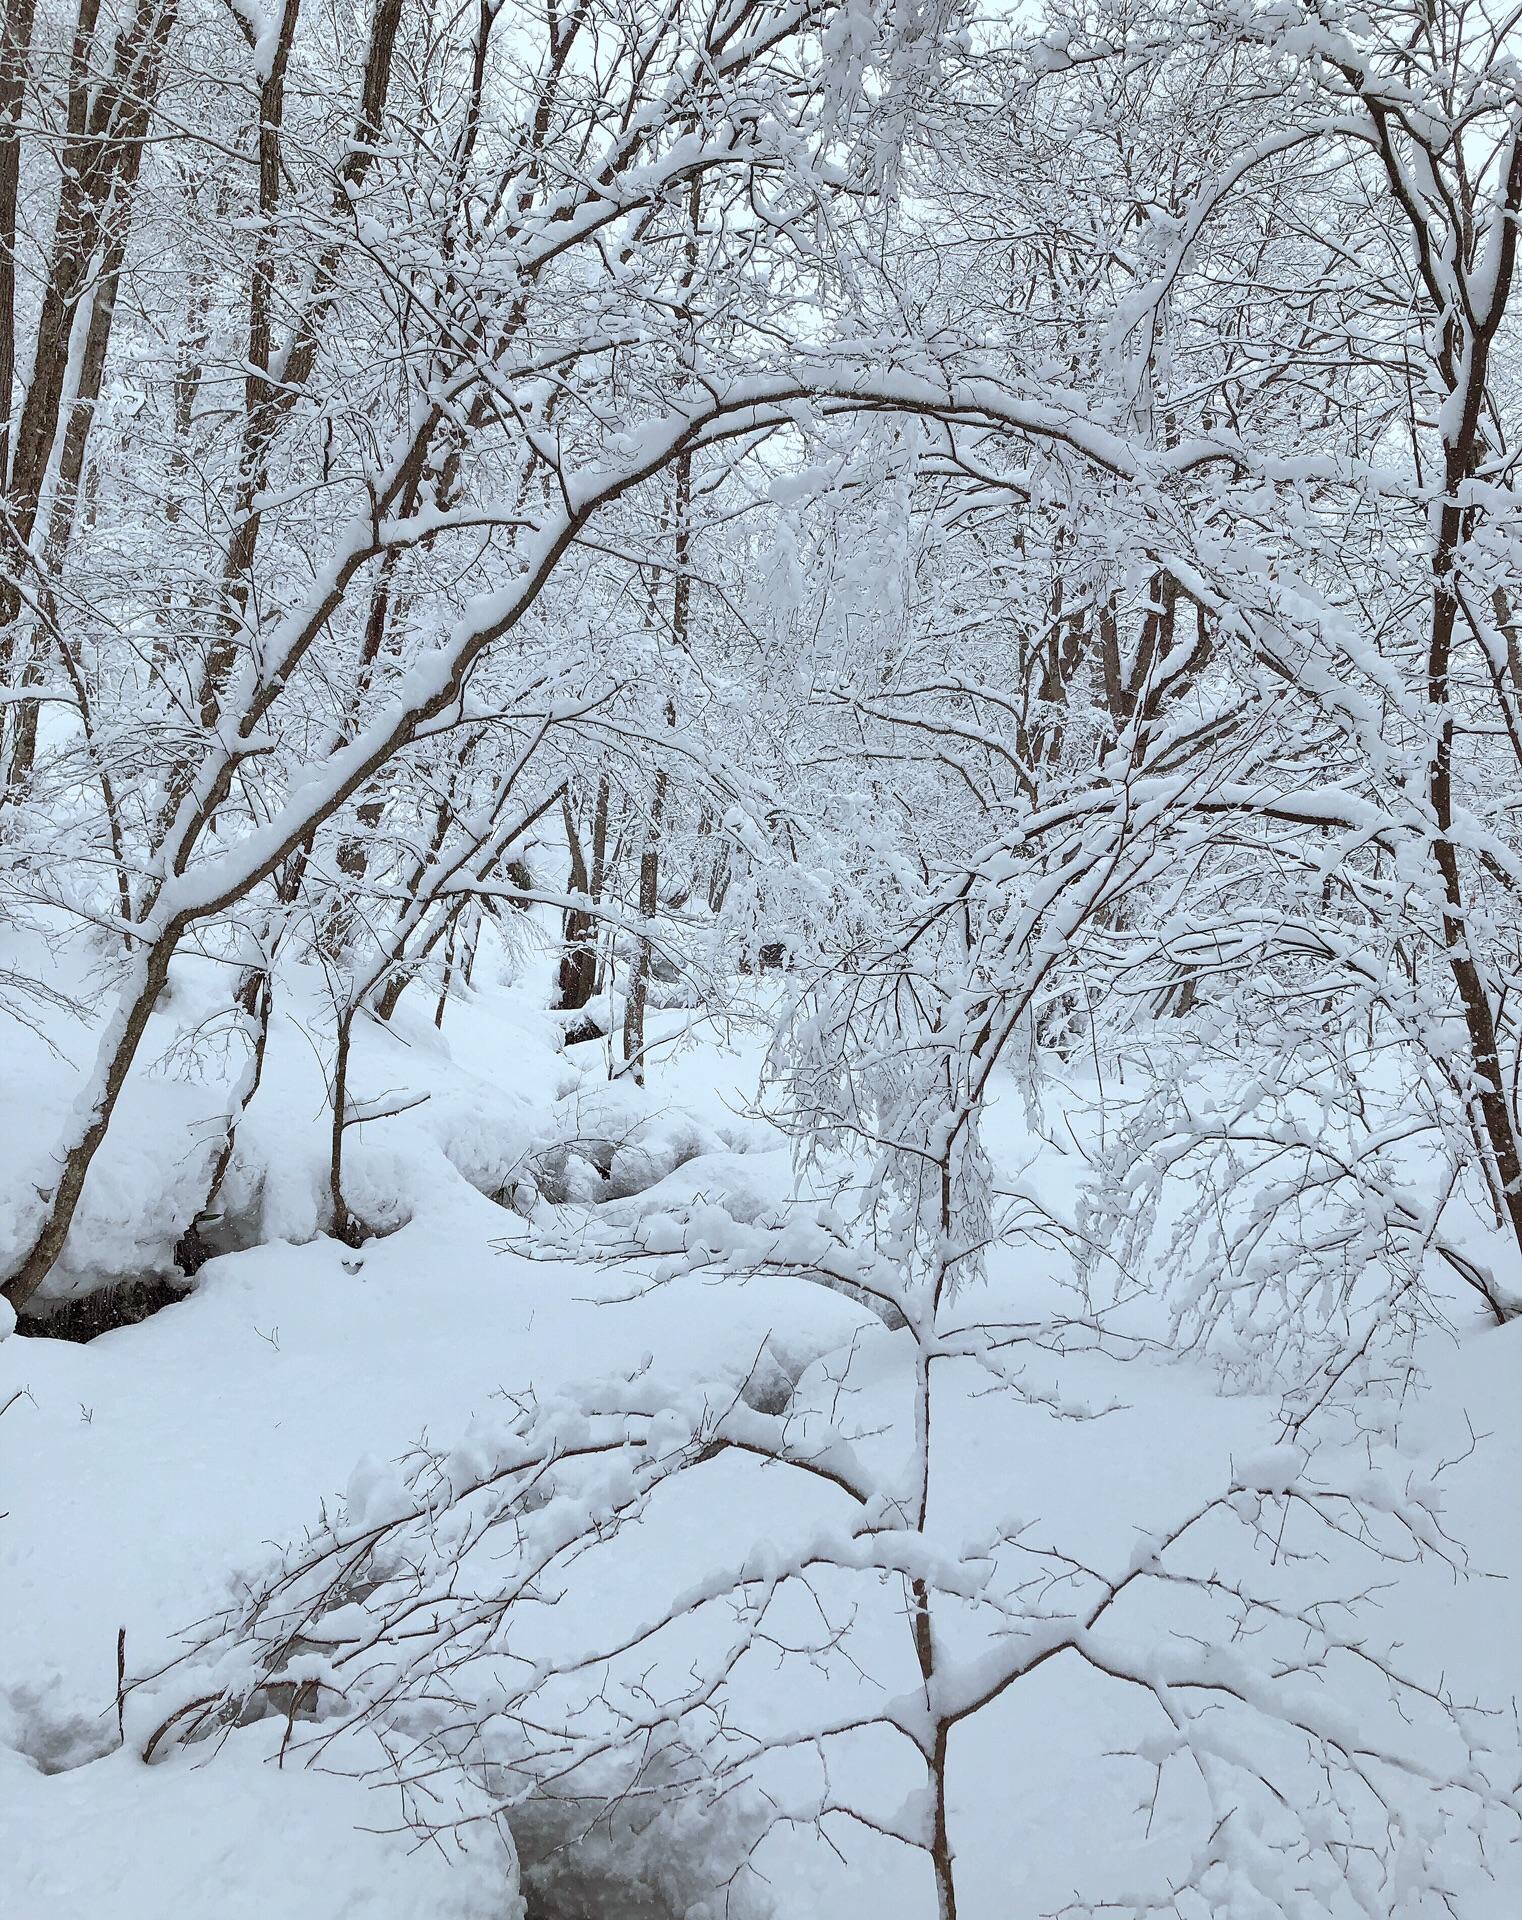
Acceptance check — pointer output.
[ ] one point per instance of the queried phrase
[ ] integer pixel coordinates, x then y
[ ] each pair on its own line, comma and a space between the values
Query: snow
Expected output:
153, 1466
1273, 1470
238, 1837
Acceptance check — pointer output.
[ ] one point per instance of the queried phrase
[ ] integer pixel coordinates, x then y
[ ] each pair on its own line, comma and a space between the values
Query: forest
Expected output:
760, 960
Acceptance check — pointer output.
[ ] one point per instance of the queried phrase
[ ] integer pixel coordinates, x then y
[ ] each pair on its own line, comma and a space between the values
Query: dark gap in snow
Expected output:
769, 1387
617, 1860
54, 1738
579, 1032
88, 1315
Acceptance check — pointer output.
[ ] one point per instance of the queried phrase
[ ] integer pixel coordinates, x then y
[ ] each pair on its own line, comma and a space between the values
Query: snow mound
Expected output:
239, 1839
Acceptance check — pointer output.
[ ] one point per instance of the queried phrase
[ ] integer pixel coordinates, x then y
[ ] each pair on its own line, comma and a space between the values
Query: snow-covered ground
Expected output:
143, 1470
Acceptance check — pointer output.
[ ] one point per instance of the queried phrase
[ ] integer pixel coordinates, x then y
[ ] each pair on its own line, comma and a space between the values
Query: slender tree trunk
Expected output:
345, 1227
942, 1858
1474, 997
448, 979
638, 993
261, 397
15, 52
577, 973
255, 1001
118, 1049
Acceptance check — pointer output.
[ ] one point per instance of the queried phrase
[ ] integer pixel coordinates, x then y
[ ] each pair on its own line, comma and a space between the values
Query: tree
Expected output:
477, 325
414, 1623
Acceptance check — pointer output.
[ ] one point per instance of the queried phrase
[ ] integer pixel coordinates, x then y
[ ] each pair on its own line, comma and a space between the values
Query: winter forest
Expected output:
760, 960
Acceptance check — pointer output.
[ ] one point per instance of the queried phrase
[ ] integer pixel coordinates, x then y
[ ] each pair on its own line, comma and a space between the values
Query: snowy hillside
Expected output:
156, 1474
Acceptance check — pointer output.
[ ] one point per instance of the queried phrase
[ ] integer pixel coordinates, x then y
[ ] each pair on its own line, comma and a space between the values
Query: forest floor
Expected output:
142, 1467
